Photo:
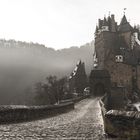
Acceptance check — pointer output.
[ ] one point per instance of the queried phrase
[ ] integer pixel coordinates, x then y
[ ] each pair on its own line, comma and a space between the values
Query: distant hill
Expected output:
23, 64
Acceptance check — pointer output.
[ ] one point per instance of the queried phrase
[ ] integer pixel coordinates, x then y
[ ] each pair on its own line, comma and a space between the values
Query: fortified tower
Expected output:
116, 58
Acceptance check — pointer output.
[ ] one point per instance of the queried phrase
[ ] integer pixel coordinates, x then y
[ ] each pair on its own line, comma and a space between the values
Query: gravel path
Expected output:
83, 123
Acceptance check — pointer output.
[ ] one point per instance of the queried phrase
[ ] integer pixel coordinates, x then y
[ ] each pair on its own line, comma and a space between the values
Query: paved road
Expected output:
83, 123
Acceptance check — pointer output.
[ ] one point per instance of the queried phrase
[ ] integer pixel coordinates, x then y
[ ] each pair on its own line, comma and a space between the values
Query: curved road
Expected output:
83, 123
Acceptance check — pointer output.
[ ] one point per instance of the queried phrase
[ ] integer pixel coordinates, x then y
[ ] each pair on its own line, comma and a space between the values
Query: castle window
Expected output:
119, 58
133, 70
105, 28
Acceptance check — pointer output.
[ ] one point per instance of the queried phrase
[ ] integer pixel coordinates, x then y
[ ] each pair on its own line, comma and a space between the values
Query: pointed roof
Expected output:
105, 22
100, 23
124, 25
124, 20
109, 19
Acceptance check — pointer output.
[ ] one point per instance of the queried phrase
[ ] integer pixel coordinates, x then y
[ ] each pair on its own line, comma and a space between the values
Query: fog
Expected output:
22, 66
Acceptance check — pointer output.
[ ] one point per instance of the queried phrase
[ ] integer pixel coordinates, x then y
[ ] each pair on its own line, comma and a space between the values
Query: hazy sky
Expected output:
60, 23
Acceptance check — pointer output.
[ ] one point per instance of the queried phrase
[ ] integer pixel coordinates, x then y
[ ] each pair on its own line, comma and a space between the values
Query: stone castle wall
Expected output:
122, 124
127, 38
103, 47
120, 74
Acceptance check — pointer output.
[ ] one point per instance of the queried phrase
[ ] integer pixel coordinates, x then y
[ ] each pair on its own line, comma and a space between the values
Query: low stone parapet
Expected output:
19, 113
75, 100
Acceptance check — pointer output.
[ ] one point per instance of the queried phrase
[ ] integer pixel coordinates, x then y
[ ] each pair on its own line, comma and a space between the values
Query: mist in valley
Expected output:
24, 64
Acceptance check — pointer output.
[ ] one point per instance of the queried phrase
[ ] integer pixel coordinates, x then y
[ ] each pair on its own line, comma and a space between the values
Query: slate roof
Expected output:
124, 25
124, 20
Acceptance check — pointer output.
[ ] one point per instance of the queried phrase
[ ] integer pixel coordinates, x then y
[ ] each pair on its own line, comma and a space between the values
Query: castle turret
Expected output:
109, 22
124, 25
100, 23
105, 26
113, 24
105, 23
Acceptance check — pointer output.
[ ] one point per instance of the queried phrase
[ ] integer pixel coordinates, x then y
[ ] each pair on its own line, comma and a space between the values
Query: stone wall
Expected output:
138, 76
10, 114
127, 38
123, 124
117, 98
121, 74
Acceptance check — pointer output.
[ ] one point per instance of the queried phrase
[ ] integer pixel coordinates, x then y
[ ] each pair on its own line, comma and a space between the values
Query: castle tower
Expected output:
105, 36
125, 31
117, 56
113, 27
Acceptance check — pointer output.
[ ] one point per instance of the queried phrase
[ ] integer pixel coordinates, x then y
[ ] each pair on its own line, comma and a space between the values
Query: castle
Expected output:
116, 58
